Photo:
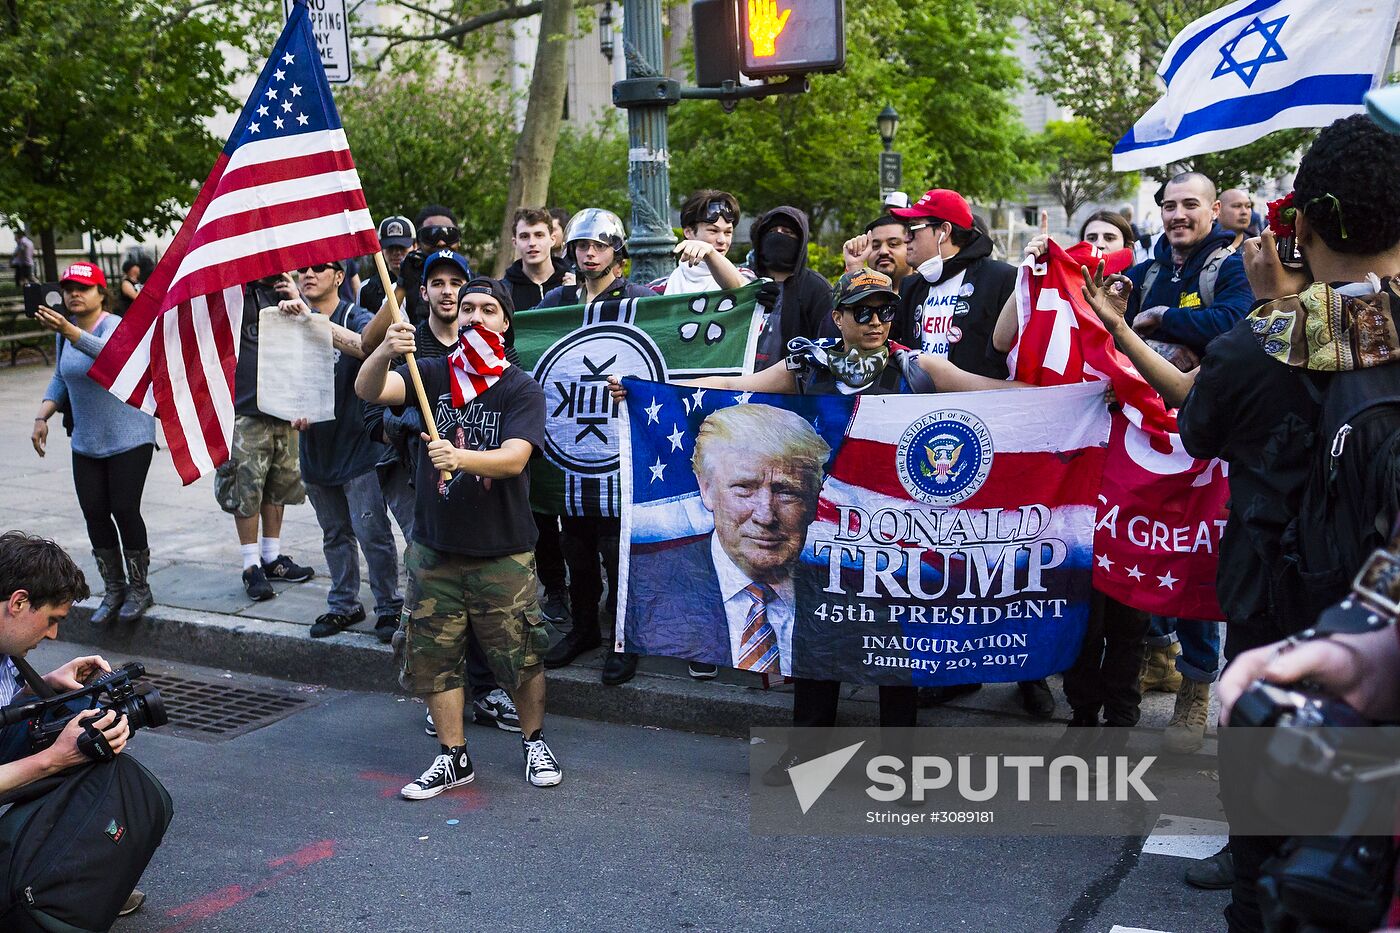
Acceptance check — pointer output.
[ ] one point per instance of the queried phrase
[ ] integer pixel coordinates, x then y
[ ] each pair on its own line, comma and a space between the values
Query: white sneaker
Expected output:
430, 728
446, 771
541, 767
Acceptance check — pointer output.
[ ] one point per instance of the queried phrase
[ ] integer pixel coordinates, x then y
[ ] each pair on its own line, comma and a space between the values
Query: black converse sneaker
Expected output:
452, 768
541, 767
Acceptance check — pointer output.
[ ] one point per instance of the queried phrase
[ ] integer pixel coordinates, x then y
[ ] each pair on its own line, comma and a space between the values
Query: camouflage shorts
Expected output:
262, 467
449, 595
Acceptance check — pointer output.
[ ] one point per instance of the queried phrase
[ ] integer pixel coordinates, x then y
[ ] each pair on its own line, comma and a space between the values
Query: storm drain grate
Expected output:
213, 712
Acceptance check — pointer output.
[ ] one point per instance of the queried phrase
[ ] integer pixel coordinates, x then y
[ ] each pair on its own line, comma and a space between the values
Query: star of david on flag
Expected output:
1232, 60
1256, 66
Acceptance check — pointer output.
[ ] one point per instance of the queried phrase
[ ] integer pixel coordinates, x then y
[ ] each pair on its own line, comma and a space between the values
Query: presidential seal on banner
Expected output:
944, 457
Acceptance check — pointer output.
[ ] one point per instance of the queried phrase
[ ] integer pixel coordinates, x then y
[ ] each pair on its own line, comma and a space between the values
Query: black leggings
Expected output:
109, 493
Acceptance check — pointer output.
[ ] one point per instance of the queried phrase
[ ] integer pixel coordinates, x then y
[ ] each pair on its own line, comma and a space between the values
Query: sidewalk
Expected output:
203, 616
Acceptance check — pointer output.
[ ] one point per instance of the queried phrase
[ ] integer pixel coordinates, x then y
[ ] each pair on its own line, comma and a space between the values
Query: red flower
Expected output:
1282, 214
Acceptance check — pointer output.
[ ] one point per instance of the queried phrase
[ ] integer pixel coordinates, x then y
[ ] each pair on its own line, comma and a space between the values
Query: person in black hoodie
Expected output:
535, 272
949, 306
801, 302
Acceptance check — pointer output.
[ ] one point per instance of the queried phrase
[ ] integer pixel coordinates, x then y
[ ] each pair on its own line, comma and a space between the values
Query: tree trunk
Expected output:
544, 113
47, 246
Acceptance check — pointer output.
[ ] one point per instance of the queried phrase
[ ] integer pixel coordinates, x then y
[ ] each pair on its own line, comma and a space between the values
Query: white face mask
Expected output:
932, 268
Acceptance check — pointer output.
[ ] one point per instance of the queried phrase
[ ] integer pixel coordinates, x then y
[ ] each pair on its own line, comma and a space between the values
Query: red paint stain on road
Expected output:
216, 902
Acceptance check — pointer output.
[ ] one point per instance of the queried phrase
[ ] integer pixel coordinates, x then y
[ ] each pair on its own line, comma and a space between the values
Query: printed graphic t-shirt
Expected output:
939, 315
473, 515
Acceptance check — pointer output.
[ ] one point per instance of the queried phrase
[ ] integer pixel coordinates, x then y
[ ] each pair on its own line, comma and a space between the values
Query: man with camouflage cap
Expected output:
471, 564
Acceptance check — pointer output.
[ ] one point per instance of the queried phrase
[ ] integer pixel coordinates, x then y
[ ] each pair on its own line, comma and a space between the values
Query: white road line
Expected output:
1186, 837
1118, 929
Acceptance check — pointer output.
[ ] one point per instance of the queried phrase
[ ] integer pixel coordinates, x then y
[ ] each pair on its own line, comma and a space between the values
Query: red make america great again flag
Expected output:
284, 194
1161, 511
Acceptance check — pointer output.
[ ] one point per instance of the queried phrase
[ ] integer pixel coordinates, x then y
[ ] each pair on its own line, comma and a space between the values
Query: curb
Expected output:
355, 661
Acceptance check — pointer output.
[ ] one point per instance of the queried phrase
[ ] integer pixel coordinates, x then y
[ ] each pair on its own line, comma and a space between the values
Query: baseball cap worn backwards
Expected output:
941, 203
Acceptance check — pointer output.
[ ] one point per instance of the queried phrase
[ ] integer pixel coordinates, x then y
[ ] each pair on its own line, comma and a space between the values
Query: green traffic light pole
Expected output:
646, 94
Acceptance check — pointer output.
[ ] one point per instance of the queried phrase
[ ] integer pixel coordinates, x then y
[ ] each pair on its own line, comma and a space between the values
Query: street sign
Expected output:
331, 26
891, 172
781, 37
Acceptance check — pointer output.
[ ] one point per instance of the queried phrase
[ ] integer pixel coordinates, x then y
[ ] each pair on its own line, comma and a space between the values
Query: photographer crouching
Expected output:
64, 780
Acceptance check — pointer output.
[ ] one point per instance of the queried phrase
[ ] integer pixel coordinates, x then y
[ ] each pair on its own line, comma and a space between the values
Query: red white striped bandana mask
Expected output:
476, 364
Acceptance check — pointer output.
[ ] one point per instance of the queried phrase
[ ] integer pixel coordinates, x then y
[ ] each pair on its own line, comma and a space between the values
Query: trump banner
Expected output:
889, 539
571, 352
1161, 511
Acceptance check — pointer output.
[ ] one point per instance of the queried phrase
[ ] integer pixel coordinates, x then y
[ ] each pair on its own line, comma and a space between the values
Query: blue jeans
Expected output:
1200, 644
352, 514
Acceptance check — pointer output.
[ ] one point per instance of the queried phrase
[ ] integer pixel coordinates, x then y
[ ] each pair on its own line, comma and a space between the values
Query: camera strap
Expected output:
31, 677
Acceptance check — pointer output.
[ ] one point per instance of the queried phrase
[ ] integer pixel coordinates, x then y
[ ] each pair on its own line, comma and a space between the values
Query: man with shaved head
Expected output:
1192, 290
1237, 215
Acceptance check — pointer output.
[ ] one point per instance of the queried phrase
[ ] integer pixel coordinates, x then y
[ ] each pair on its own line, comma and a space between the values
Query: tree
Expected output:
465, 26
1099, 59
105, 109
1077, 167
418, 139
943, 65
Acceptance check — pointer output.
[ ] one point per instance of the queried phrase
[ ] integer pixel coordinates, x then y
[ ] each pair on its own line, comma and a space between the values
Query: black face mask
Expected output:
780, 252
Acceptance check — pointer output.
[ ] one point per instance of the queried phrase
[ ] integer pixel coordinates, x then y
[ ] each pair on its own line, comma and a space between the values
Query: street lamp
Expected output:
605, 33
891, 163
888, 124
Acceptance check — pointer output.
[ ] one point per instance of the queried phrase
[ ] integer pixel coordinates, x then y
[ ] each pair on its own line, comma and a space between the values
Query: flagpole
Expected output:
393, 299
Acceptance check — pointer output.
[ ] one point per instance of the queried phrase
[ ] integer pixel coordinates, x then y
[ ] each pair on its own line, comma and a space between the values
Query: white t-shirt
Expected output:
939, 313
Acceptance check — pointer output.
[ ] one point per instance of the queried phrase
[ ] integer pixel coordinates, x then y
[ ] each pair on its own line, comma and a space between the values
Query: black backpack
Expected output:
70, 856
1352, 493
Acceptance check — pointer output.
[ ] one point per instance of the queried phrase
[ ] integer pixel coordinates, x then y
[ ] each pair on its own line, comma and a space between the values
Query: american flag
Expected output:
283, 194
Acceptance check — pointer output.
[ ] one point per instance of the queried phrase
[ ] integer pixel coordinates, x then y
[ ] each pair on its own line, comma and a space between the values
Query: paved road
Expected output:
297, 827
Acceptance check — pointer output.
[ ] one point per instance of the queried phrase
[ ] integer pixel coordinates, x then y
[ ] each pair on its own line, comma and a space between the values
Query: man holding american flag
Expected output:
283, 194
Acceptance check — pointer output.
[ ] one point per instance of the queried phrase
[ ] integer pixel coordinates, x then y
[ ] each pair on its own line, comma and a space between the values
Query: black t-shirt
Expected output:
1258, 415
471, 515
256, 296
335, 452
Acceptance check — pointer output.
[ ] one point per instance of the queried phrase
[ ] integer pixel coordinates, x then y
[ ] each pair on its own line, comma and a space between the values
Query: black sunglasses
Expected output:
319, 267
714, 210
439, 233
863, 313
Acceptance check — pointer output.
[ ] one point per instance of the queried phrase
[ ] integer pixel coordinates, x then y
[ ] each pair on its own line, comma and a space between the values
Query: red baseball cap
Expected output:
84, 273
941, 203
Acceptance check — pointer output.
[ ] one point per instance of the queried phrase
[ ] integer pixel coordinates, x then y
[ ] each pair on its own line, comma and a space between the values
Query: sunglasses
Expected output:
319, 267
717, 209
439, 233
862, 314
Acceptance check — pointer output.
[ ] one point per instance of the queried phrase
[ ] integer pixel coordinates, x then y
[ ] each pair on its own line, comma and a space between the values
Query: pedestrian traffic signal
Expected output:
779, 37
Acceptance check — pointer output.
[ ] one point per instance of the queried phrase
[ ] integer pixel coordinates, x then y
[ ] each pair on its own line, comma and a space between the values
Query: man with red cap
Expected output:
949, 308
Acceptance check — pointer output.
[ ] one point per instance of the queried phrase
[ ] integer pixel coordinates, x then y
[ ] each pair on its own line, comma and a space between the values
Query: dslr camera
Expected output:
140, 704
1316, 754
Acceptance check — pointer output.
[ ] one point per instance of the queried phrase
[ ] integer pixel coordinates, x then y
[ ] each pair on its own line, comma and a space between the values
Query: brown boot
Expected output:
1187, 730
1159, 669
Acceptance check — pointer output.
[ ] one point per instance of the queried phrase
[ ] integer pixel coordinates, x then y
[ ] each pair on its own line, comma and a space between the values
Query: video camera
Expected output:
140, 704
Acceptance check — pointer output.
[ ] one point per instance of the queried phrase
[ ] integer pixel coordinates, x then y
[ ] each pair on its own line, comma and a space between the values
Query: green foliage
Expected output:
1077, 166
419, 140
103, 107
590, 170
1099, 58
943, 64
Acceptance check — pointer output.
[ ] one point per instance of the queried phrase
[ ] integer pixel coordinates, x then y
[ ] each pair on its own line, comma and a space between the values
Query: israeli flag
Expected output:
1256, 66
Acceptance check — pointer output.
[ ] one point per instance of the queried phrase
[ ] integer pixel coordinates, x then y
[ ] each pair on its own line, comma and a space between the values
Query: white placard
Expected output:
330, 24
296, 366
